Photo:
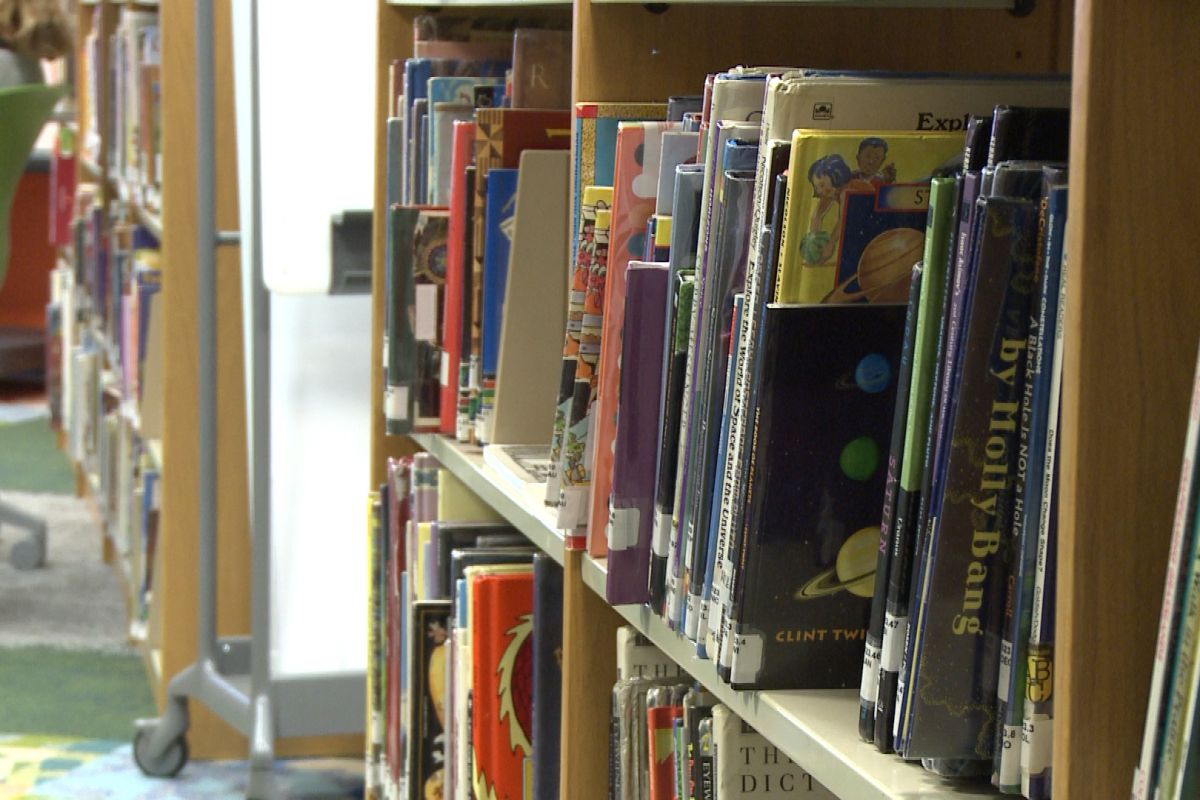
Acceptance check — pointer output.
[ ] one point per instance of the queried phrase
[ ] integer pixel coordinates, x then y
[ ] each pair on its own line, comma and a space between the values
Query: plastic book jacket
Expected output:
430, 238
857, 205
815, 493
502, 692
428, 757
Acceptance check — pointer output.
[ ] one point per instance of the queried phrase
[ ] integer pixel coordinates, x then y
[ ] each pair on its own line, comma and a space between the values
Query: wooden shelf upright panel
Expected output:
1132, 325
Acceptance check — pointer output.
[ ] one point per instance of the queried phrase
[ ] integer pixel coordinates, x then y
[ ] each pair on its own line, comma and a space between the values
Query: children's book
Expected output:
499, 222
541, 74
457, 249
427, 757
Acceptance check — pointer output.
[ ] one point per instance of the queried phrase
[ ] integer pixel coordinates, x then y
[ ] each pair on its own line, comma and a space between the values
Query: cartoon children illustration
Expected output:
872, 152
828, 176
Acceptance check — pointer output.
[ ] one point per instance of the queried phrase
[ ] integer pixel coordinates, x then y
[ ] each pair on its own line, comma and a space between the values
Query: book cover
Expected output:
747, 765
457, 503
499, 222
547, 675
823, 420
429, 240
1030, 133
468, 363
952, 712
852, 234
430, 622
400, 343
443, 118
541, 75
524, 467
678, 147
502, 676
399, 509
637, 657
635, 181
374, 734
697, 706
595, 145
450, 536
662, 714
462, 143
634, 459
596, 199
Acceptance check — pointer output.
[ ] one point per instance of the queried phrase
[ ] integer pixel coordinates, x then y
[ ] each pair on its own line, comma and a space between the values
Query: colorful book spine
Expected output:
500, 219
427, 758
632, 497
634, 192
462, 144
429, 241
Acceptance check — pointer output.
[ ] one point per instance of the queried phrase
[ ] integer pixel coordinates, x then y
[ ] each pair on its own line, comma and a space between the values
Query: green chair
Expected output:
24, 110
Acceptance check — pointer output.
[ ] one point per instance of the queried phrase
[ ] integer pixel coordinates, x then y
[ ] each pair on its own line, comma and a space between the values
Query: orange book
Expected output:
635, 185
501, 621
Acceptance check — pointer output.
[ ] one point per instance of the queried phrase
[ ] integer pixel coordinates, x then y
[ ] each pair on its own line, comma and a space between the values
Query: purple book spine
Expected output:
631, 505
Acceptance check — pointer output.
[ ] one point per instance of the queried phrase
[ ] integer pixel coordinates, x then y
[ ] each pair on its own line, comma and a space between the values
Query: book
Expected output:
635, 183
852, 235
427, 758
535, 305
502, 677
400, 338
595, 145
971, 505
634, 459
547, 675
374, 738
429, 241
637, 657
662, 715
747, 765
448, 536
596, 200
443, 118
821, 427
499, 221
457, 251
1026, 132
541, 74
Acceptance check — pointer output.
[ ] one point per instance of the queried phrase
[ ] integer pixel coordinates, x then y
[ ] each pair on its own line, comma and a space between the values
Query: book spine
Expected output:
872, 652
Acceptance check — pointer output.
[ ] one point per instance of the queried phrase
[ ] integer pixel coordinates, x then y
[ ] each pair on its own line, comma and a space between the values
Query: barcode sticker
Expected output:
623, 524
895, 630
870, 679
395, 403
425, 313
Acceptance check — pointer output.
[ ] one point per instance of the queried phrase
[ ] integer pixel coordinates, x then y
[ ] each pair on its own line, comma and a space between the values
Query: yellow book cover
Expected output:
457, 503
856, 204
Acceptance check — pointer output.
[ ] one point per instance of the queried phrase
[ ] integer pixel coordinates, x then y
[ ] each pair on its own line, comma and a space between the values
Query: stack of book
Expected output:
464, 677
671, 739
806, 401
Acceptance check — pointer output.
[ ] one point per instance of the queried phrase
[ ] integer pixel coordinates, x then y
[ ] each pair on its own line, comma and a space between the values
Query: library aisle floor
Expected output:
70, 683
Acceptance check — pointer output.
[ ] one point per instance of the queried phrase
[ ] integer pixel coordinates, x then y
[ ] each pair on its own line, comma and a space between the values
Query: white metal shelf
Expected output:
467, 464
816, 729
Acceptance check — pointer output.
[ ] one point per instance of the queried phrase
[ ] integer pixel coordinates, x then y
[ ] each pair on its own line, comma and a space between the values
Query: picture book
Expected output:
441, 136
678, 147
450, 536
457, 503
502, 677
427, 759
535, 305
951, 714
634, 459
662, 714
429, 241
823, 421
401, 348
853, 234
639, 147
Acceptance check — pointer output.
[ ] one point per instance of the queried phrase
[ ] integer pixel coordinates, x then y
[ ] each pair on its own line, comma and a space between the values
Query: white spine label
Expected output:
623, 524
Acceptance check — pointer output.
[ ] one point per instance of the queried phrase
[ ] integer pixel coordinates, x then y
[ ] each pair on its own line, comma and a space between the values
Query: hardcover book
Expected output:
635, 183
499, 221
450, 536
441, 147
807, 565
541, 75
747, 765
429, 240
457, 250
547, 675
535, 305
430, 624
632, 496
502, 678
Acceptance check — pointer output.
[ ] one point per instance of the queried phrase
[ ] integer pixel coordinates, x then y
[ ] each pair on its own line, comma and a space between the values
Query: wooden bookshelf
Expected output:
1130, 339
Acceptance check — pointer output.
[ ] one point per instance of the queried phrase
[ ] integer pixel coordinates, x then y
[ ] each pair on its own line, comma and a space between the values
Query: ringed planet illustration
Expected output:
853, 570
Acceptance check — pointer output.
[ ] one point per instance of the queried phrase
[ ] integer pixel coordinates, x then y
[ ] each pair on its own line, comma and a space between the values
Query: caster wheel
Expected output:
28, 553
162, 765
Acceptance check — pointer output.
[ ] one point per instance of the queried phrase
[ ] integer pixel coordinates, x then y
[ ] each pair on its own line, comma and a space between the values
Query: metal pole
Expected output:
206, 332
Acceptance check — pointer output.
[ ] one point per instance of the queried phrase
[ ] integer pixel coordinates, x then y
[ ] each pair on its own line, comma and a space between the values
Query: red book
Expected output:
62, 190
660, 726
501, 613
463, 143
399, 507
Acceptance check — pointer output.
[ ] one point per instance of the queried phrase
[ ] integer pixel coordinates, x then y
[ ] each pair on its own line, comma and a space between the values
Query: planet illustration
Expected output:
859, 458
873, 373
884, 268
853, 570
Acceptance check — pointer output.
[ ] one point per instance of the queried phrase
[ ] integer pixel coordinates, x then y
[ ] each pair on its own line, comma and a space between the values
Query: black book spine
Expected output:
868, 691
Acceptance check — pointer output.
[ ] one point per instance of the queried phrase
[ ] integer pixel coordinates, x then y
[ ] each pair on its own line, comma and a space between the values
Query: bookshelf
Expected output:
1130, 344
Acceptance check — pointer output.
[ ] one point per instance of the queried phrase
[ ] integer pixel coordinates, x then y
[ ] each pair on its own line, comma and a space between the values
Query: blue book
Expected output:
547, 675
499, 218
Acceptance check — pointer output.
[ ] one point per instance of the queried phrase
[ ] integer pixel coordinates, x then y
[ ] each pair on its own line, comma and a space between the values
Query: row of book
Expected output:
128, 84
737, 392
104, 360
464, 676
669, 738
1169, 766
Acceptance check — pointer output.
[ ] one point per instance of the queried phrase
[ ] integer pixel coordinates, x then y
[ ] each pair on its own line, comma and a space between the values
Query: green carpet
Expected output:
44, 690
30, 460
